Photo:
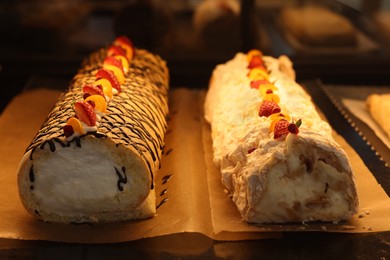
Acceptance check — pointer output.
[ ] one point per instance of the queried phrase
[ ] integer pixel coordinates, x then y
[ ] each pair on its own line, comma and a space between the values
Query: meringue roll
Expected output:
96, 155
278, 160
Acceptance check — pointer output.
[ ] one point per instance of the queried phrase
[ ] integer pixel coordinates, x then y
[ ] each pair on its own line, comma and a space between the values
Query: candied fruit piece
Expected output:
257, 74
99, 102
127, 45
252, 53
117, 72
111, 60
110, 76
271, 97
264, 88
85, 113
92, 90
105, 85
76, 126
125, 63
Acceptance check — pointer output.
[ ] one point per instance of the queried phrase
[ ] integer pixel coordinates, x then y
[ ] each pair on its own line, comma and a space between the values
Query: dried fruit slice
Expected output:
252, 53
258, 73
117, 72
105, 85
257, 83
126, 44
111, 60
256, 61
99, 101
68, 131
268, 108
276, 119
116, 50
125, 63
110, 76
280, 115
92, 90
76, 126
85, 113
270, 96
264, 88
283, 128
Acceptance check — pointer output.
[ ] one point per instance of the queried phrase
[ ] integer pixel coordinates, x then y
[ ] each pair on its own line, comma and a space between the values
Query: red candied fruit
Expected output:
116, 50
268, 108
126, 44
68, 130
92, 90
113, 61
257, 83
256, 61
110, 76
85, 113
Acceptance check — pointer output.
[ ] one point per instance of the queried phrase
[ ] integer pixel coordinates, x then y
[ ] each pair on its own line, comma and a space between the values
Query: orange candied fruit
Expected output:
117, 72
125, 63
281, 115
76, 125
106, 86
128, 49
99, 102
257, 73
266, 88
272, 97
252, 53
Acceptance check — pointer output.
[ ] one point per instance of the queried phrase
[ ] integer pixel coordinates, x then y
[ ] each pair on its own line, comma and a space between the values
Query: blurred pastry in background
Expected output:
217, 24
382, 22
318, 26
54, 14
379, 108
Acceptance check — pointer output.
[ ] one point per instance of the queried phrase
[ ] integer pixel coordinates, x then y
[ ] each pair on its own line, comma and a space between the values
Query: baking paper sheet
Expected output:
195, 201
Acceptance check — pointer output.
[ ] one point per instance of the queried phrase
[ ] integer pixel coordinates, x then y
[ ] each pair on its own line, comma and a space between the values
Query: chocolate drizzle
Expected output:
162, 202
31, 174
31, 177
164, 180
51, 145
136, 117
122, 179
168, 152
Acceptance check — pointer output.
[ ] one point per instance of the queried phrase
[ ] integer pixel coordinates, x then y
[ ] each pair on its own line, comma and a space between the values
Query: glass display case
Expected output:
340, 51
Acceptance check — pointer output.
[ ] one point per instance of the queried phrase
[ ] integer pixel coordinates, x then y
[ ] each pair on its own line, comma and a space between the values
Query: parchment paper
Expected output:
373, 216
194, 199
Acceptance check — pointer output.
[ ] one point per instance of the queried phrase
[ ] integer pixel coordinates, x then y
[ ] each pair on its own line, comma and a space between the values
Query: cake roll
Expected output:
278, 160
378, 105
95, 157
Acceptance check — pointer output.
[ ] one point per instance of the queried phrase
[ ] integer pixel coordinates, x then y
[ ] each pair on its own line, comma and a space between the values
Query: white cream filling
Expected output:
83, 180
302, 195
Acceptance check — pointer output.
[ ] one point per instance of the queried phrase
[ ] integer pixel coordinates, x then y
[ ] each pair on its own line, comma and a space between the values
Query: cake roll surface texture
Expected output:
299, 176
107, 173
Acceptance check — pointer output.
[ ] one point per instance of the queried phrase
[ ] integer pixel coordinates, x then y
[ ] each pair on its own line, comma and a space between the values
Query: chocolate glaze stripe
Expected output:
133, 116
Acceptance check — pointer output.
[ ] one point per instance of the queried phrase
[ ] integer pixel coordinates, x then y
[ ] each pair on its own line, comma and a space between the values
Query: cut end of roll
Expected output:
87, 180
310, 183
